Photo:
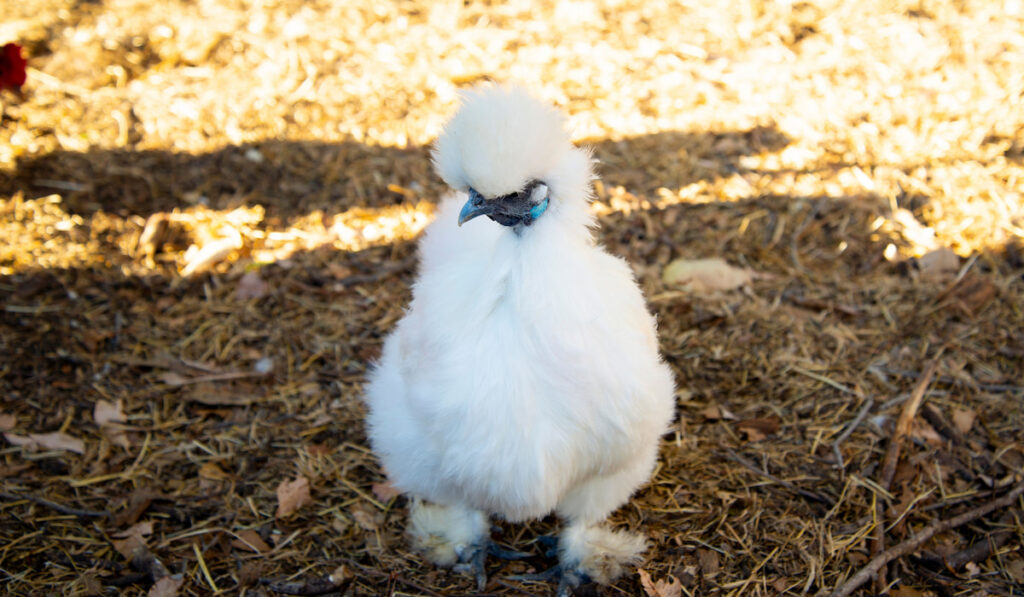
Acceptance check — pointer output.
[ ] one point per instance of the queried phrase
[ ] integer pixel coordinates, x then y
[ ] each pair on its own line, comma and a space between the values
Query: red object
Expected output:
12, 67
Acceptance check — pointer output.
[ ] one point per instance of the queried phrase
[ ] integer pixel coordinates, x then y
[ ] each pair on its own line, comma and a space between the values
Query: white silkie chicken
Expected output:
525, 377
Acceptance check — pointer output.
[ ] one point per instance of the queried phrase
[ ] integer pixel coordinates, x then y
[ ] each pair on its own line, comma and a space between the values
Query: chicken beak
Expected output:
476, 206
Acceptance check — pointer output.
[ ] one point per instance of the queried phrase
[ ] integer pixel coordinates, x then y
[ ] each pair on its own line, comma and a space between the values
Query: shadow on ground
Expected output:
293, 178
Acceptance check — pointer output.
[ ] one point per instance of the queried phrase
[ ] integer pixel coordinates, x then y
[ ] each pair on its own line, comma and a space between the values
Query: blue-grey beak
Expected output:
476, 206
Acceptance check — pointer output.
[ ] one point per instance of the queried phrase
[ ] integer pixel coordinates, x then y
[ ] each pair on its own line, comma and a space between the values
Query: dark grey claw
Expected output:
473, 558
472, 562
506, 554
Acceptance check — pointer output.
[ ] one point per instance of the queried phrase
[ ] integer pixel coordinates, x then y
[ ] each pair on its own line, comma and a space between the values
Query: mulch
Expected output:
210, 213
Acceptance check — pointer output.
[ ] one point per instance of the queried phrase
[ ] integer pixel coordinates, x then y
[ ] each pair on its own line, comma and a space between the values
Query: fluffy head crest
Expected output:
501, 139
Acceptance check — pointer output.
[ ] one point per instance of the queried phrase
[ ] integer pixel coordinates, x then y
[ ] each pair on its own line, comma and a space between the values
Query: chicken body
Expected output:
524, 379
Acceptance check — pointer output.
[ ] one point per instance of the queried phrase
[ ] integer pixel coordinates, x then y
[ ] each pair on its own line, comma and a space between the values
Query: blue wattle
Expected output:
537, 210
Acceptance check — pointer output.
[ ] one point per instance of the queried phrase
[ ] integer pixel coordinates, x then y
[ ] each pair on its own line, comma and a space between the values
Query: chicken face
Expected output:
514, 209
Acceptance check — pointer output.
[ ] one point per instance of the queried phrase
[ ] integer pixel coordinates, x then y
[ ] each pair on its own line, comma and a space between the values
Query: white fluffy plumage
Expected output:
525, 377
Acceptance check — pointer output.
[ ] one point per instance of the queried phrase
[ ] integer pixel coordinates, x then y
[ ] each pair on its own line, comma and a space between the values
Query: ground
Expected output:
209, 212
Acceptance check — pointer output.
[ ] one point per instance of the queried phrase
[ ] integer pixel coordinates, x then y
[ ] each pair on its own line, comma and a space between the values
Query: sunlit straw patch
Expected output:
191, 240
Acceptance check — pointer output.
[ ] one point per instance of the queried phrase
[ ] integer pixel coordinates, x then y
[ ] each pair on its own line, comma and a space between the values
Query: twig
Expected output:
849, 430
892, 454
892, 457
826, 380
908, 546
978, 552
202, 566
946, 380
807, 494
54, 505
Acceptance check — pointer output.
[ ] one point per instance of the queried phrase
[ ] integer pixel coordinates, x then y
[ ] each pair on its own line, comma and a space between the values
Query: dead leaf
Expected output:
963, 419
759, 428
385, 492
705, 275
319, 450
339, 525
130, 546
50, 441
251, 286
366, 518
139, 529
91, 585
647, 583
292, 495
661, 588
923, 431
341, 575
59, 441
167, 586
714, 412
1015, 568
940, 263
250, 572
105, 412
251, 540
970, 294
118, 438
709, 561
138, 503
7, 422
21, 440
898, 510
1011, 457
210, 470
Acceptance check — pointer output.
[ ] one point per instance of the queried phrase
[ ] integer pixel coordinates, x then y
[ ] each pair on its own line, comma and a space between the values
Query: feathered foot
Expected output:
457, 537
597, 553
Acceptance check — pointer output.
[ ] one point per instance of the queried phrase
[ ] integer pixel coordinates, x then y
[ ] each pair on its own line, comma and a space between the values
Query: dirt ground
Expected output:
208, 216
